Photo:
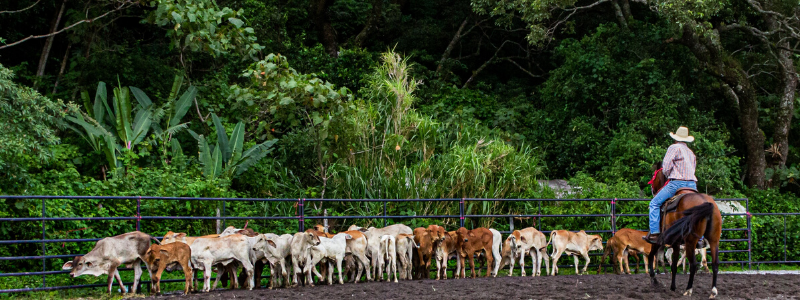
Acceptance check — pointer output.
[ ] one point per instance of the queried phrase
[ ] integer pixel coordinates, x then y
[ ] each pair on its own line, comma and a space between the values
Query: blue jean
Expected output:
663, 195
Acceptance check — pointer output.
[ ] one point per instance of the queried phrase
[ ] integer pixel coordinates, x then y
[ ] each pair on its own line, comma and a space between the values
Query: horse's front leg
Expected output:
652, 258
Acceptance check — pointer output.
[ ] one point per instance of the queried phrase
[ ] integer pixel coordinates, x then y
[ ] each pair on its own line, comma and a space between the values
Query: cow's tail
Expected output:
683, 227
606, 253
411, 239
552, 235
497, 239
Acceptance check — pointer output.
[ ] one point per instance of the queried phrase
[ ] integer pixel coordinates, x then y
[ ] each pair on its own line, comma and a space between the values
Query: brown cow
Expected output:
424, 253
574, 244
476, 240
170, 257
625, 242
448, 246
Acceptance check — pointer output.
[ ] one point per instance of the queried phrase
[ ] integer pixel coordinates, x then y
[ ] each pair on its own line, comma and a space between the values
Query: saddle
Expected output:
672, 203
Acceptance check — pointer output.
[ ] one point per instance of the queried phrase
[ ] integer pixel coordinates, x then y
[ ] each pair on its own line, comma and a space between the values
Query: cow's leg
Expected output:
112, 272
627, 262
555, 257
646, 264
544, 257
522, 264
489, 261
537, 267
295, 271
586, 265
187, 276
575, 257
704, 260
207, 276
339, 269
248, 266
137, 274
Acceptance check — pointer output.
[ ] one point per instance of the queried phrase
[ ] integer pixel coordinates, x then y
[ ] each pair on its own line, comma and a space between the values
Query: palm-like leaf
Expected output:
252, 156
182, 105
222, 138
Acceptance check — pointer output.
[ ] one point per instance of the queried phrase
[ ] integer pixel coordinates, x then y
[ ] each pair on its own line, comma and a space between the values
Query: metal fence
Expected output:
301, 217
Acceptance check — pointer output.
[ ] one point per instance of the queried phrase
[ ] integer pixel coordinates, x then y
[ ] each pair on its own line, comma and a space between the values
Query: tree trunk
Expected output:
319, 16
372, 24
626, 9
48, 44
452, 45
709, 51
63, 67
618, 13
786, 94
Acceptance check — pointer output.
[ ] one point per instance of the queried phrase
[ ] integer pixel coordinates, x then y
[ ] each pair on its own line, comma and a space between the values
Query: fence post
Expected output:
224, 224
44, 245
301, 211
461, 211
613, 217
749, 235
539, 215
511, 224
138, 212
784, 237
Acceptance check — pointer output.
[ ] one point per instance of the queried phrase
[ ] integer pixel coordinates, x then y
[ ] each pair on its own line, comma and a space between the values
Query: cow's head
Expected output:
355, 227
436, 232
312, 238
172, 237
463, 234
82, 265
595, 242
155, 256
262, 242
519, 240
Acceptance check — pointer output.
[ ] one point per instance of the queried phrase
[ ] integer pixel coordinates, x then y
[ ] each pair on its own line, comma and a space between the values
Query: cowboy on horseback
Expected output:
678, 165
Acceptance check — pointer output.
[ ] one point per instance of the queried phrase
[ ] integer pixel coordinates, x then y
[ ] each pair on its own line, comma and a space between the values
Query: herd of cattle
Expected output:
372, 251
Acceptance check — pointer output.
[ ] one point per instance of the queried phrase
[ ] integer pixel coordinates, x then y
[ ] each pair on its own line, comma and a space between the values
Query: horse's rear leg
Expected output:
714, 266
674, 267
691, 243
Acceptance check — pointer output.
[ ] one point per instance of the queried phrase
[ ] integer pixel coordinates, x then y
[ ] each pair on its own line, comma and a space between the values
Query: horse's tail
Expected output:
677, 233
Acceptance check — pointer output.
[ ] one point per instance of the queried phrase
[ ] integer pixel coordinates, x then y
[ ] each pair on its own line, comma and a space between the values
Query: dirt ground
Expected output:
730, 286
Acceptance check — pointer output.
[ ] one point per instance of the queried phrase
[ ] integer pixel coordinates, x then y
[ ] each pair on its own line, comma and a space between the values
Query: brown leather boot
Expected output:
651, 238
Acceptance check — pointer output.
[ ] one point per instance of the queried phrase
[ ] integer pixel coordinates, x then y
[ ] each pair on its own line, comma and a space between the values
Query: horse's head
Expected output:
659, 179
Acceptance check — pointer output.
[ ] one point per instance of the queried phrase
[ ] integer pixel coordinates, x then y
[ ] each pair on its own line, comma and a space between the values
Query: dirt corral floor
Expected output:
730, 286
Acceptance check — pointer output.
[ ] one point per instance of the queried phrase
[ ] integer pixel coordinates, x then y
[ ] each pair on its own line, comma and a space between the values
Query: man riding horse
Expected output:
678, 165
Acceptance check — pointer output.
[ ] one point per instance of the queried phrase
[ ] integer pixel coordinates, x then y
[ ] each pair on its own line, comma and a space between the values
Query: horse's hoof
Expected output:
688, 292
713, 293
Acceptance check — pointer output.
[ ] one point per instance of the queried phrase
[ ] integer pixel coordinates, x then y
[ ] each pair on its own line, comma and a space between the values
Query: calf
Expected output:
405, 246
624, 242
497, 239
526, 241
358, 246
573, 244
170, 256
277, 251
256, 257
299, 246
389, 255
422, 259
207, 252
682, 261
448, 246
330, 249
172, 237
111, 252
474, 241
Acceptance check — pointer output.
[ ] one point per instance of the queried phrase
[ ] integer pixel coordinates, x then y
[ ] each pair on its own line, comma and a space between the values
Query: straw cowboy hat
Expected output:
682, 135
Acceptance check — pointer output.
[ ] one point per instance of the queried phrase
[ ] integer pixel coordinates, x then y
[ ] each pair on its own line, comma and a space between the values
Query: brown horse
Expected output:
697, 215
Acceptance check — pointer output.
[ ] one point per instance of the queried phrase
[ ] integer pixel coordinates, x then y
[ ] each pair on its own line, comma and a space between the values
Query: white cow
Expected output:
277, 251
405, 249
497, 239
299, 246
207, 252
389, 255
330, 249
575, 244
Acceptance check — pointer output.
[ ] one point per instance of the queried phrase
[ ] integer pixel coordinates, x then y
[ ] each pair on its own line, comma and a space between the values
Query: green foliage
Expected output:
28, 124
228, 158
202, 26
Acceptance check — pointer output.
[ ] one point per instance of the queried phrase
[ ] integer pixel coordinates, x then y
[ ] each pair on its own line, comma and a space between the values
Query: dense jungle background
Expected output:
390, 99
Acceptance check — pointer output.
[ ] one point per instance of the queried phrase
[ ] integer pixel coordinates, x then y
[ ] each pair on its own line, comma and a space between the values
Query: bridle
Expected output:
653, 180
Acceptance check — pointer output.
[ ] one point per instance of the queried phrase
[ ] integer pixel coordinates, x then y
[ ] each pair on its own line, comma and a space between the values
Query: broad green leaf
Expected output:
222, 138
122, 110
176, 87
140, 126
253, 155
236, 22
101, 103
237, 142
217, 160
286, 101
141, 97
182, 106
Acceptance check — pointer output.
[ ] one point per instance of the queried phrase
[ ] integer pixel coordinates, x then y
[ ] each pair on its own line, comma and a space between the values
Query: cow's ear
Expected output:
180, 235
67, 266
271, 243
522, 238
362, 229
149, 251
470, 234
165, 253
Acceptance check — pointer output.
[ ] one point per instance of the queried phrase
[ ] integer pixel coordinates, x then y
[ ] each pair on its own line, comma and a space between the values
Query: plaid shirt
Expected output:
679, 163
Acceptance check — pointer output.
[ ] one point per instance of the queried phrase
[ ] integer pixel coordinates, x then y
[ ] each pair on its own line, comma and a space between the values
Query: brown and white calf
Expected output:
207, 252
446, 248
110, 253
575, 244
170, 257
473, 242
527, 241
623, 243
229, 270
